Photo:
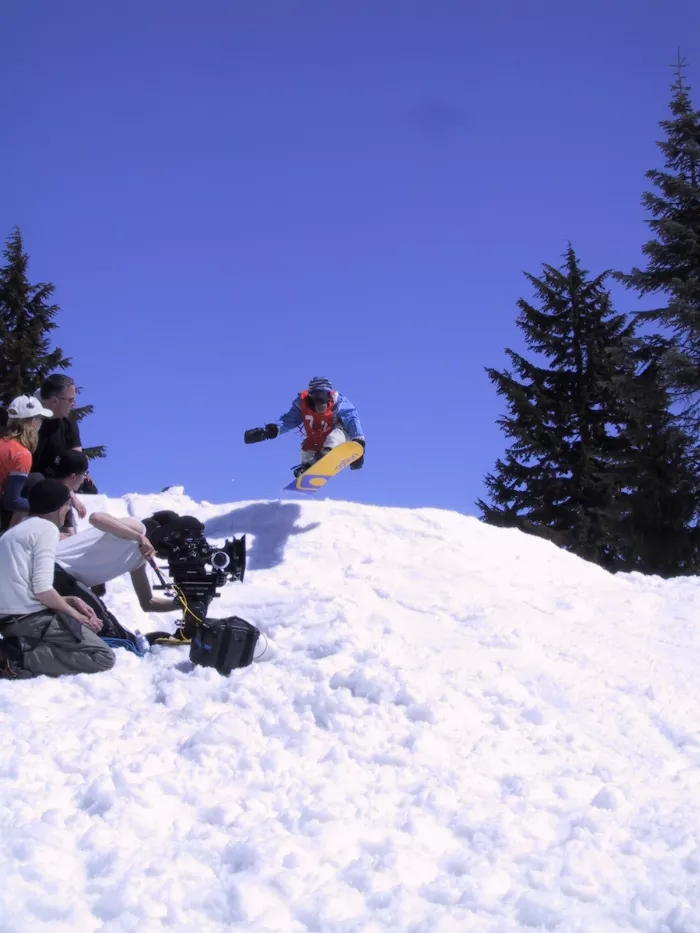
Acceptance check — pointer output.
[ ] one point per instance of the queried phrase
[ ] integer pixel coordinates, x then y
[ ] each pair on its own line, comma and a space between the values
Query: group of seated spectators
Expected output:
43, 471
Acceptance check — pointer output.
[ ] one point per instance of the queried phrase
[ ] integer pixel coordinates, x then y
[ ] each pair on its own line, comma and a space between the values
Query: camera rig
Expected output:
197, 570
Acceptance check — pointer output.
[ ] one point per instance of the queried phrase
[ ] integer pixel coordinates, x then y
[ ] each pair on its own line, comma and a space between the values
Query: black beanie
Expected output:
68, 462
157, 520
47, 496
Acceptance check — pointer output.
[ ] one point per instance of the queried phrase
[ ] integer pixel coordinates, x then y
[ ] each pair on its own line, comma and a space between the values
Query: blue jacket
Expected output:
344, 413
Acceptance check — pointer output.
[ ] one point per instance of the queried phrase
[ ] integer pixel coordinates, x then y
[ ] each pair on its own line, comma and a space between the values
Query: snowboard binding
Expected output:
303, 467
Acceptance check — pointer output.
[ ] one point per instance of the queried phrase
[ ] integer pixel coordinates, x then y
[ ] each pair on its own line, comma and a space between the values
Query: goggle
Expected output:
322, 396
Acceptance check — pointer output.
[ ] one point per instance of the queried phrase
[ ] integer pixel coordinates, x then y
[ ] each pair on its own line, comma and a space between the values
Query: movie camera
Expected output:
196, 568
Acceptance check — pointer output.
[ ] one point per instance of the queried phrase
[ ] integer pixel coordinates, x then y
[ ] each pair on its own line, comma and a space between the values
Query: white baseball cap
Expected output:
26, 406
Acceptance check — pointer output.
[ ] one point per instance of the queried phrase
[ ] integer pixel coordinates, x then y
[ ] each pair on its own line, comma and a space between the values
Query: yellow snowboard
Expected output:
317, 476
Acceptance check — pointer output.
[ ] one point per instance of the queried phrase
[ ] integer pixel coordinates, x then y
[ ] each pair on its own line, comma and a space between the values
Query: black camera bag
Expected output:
224, 643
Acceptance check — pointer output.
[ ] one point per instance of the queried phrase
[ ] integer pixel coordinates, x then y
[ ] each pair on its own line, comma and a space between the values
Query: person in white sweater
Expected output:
43, 633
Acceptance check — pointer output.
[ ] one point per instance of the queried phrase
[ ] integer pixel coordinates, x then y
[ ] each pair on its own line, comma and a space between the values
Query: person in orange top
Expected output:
19, 438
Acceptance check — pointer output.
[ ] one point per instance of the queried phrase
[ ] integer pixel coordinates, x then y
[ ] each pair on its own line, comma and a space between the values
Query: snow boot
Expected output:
303, 467
10, 662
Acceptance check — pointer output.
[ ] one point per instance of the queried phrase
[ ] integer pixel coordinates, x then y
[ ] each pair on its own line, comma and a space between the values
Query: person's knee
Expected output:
335, 438
109, 659
135, 524
97, 655
103, 659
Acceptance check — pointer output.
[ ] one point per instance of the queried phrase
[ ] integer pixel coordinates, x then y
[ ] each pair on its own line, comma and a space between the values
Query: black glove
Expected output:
360, 462
255, 435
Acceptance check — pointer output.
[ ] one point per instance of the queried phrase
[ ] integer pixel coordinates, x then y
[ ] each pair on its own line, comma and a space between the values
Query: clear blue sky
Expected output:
232, 197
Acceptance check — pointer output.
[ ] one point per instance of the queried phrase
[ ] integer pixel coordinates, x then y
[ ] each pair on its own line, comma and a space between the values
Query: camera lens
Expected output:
220, 560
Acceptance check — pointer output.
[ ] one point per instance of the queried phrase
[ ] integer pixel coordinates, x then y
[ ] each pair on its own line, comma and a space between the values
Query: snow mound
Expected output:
455, 728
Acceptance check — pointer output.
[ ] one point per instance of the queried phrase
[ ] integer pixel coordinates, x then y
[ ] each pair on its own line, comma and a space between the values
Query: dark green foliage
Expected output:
660, 495
27, 320
597, 462
92, 453
673, 255
565, 416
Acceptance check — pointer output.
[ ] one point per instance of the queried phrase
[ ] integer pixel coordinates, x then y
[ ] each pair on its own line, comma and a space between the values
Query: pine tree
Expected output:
98, 452
27, 320
560, 476
660, 498
673, 255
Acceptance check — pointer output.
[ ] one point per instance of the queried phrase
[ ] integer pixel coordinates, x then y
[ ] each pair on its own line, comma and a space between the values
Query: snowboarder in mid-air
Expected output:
326, 419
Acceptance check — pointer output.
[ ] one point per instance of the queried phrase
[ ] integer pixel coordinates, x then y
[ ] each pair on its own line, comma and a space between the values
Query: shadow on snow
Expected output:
270, 523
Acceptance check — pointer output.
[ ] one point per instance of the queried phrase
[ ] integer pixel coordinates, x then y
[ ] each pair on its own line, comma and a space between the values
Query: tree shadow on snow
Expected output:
271, 524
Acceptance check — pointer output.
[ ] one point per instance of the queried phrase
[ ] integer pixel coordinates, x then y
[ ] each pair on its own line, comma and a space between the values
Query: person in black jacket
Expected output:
58, 394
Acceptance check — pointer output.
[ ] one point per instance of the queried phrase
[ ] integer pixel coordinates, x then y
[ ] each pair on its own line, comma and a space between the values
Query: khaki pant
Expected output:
53, 646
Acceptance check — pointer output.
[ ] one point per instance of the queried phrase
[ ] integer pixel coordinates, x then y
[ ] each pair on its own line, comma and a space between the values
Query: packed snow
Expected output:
454, 728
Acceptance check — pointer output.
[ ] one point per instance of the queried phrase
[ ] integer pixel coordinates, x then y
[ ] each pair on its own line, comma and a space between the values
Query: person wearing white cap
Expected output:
20, 436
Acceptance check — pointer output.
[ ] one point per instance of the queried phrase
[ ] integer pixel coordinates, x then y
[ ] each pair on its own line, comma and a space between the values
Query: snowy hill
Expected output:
456, 728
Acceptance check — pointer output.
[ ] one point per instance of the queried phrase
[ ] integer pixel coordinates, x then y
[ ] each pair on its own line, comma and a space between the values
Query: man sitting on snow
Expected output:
43, 633
112, 547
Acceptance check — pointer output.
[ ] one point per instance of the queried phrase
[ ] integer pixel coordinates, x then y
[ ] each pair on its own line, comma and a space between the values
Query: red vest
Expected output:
317, 424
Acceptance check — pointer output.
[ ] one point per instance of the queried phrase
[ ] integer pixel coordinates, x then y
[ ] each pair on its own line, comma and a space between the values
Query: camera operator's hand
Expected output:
255, 435
146, 548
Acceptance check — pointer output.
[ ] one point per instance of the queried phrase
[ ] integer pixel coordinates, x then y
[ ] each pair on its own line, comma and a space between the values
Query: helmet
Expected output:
320, 389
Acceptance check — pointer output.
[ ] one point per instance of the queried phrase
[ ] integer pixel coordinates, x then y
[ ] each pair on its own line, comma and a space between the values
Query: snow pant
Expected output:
53, 644
337, 436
